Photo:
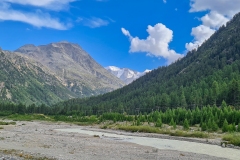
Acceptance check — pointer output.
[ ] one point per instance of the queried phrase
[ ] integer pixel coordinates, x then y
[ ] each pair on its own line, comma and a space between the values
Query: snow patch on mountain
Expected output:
125, 74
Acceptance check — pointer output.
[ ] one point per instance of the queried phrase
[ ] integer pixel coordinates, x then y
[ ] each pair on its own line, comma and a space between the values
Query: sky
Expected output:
135, 34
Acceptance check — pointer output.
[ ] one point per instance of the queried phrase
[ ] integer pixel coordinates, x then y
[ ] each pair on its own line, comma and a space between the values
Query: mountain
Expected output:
24, 81
73, 67
125, 74
208, 75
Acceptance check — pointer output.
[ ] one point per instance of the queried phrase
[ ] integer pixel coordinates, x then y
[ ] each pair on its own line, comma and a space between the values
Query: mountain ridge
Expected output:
51, 73
76, 68
125, 74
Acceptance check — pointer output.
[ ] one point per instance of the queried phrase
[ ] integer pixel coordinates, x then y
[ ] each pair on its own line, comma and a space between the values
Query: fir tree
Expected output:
185, 124
214, 126
158, 123
204, 126
172, 122
225, 126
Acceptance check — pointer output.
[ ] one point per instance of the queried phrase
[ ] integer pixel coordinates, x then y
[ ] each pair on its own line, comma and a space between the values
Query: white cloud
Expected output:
37, 18
200, 33
224, 7
214, 20
126, 33
93, 22
156, 44
219, 12
49, 4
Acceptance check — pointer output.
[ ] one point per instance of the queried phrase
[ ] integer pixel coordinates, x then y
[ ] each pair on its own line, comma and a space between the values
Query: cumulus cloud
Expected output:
200, 34
36, 18
214, 20
93, 22
156, 44
219, 12
224, 7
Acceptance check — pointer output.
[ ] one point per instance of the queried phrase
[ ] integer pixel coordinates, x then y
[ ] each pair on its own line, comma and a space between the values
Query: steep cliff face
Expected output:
75, 68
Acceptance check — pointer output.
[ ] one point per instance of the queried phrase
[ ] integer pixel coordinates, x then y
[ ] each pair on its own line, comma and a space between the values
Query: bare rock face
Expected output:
75, 68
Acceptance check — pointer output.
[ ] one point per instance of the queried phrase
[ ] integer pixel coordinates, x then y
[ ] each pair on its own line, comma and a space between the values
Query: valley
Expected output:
58, 102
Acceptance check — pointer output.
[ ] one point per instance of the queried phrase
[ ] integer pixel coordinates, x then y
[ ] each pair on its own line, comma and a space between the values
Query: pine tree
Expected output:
171, 122
185, 124
214, 126
183, 102
204, 126
174, 125
158, 123
138, 122
209, 125
234, 127
225, 126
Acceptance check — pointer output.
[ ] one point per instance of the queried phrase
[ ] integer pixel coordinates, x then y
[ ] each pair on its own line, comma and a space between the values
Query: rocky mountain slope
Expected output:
23, 80
75, 68
125, 74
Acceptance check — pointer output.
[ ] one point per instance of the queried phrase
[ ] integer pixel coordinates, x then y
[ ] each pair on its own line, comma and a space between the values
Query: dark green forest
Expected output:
209, 118
206, 76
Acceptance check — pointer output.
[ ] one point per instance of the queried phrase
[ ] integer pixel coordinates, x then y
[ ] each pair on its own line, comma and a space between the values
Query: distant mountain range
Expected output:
51, 73
125, 74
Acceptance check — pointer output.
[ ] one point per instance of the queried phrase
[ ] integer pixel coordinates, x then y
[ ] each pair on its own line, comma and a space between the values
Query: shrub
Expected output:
232, 138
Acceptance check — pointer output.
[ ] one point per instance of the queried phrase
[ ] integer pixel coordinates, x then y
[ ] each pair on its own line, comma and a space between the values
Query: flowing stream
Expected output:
168, 144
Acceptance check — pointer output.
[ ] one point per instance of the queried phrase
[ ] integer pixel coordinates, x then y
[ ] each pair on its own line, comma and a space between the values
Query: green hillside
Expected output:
23, 82
204, 76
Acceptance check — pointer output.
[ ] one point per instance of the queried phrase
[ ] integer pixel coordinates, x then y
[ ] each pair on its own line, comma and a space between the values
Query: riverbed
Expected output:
66, 142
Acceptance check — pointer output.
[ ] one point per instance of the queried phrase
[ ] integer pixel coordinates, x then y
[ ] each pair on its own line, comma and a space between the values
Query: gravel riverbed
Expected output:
35, 140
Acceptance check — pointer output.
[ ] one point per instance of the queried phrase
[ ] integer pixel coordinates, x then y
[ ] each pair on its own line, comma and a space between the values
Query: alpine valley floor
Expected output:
42, 140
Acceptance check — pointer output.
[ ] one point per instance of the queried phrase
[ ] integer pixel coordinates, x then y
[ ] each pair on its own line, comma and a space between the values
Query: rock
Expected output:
230, 146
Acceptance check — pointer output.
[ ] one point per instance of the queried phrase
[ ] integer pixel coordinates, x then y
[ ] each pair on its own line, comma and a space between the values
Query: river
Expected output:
167, 144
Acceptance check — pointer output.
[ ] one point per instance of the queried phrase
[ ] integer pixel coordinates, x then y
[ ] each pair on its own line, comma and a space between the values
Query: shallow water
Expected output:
168, 144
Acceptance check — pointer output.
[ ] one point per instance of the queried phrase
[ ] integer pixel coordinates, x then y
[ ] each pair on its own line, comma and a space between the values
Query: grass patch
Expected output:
232, 138
28, 117
7, 123
187, 134
1, 128
149, 129
145, 129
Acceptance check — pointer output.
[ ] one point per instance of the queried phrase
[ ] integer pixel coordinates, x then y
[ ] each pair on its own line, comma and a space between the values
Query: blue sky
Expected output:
136, 34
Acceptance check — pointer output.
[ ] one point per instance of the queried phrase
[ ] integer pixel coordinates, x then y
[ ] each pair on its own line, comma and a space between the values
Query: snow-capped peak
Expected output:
125, 74
112, 68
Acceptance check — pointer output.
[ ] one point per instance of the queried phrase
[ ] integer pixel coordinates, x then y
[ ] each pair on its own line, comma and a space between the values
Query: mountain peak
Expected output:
27, 48
125, 74
63, 42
